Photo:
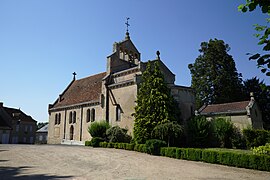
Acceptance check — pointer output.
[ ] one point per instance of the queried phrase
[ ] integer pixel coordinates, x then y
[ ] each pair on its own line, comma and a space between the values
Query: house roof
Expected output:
17, 114
234, 107
43, 129
83, 90
5, 120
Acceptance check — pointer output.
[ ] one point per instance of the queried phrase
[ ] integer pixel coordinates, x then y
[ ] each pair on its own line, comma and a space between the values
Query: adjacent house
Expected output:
16, 126
242, 114
42, 135
109, 95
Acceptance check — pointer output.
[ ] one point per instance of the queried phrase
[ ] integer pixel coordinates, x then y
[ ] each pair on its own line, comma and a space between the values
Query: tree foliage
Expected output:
155, 104
214, 75
168, 132
262, 96
263, 60
117, 134
223, 130
98, 129
199, 131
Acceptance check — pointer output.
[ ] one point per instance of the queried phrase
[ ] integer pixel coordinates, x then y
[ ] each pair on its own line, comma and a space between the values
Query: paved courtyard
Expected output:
79, 162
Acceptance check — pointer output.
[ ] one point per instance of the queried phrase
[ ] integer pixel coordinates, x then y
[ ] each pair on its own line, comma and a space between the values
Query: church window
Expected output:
74, 117
56, 119
118, 113
102, 100
70, 117
93, 115
59, 118
88, 115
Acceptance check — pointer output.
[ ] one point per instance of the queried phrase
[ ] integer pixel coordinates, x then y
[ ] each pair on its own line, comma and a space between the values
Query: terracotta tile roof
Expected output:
83, 90
225, 108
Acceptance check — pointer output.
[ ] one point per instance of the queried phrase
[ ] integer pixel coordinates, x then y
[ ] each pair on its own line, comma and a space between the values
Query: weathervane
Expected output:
127, 23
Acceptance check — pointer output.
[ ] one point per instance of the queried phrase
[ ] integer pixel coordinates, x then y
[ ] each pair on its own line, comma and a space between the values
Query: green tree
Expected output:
155, 104
98, 129
168, 132
262, 96
41, 124
214, 75
263, 60
199, 132
223, 130
117, 134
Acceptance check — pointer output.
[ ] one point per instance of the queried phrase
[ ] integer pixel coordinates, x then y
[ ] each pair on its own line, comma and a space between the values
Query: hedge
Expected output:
237, 159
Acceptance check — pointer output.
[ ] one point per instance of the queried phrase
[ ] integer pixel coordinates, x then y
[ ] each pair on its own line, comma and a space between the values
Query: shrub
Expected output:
87, 143
153, 146
140, 148
168, 132
95, 141
223, 130
129, 147
98, 129
117, 134
262, 149
238, 139
199, 132
230, 158
256, 137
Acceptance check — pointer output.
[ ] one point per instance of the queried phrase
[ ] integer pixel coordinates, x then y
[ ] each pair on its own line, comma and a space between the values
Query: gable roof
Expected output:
10, 114
43, 129
83, 90
5, 120
234, 107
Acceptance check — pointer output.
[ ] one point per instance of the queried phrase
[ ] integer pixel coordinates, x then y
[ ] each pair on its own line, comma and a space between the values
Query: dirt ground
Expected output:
79, 162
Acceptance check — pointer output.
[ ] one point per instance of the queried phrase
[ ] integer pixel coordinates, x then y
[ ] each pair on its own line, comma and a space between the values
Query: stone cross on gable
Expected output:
74, 75
127, 23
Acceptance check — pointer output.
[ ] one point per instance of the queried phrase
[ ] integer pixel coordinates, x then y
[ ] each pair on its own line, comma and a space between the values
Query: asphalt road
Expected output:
79, 162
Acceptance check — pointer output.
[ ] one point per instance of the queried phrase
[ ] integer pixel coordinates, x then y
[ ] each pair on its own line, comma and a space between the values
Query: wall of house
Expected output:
4, 136
23, 132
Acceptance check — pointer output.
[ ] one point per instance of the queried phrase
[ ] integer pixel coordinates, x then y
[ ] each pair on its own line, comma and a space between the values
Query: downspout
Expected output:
107, 103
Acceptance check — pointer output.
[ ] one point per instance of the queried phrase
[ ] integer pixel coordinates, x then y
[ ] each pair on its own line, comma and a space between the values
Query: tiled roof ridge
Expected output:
229, 103
93, 75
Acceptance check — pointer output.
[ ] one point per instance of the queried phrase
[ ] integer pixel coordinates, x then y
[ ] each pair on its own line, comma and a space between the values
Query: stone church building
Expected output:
109, 96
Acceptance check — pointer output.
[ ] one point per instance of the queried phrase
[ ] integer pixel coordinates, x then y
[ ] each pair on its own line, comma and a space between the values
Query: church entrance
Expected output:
71, 131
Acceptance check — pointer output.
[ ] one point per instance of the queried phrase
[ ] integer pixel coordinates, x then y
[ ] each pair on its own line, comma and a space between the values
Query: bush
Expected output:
95, 141
169, 132
238, 139
117, 134
87, 143
223, 130
256, 137
230, 158
140, 148
199, 132
98, 129
262, 149
153, 146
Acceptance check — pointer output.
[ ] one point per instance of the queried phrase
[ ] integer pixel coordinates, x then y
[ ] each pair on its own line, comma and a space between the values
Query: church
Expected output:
109, 96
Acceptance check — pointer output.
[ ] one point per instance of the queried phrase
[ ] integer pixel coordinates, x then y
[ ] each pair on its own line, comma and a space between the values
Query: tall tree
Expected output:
155, 105
262, 97
263, 60
214, 75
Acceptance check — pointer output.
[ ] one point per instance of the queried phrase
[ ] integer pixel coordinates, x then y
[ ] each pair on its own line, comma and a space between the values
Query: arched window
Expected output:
118, 113
93, 115
74, 117
70, 117
88, 115
56, 119
59, 118
102, 99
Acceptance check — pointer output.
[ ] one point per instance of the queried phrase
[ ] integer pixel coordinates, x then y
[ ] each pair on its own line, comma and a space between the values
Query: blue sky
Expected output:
43, 42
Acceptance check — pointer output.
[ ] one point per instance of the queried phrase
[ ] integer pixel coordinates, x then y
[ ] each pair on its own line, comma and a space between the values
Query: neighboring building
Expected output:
42, 135
242, 114
16, 127
109, 96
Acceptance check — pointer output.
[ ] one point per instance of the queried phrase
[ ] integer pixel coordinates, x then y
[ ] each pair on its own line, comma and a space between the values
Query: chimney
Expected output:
1, 104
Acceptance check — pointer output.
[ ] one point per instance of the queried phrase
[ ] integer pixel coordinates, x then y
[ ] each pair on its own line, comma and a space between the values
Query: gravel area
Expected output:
79, 162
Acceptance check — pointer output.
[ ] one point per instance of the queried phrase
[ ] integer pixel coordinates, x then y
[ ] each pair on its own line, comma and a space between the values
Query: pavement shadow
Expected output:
10, 173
